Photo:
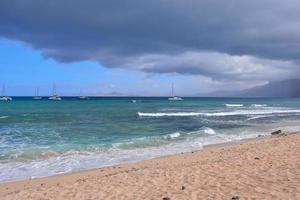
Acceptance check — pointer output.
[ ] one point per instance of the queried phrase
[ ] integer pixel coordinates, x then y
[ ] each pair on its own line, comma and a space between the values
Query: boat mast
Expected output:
37, 91
172, 89
54, 90
3, 90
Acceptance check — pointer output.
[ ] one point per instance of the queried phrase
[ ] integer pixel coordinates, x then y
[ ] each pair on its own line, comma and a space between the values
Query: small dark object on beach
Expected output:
276, 132
256, 158
235, 198
166, 198
183, 188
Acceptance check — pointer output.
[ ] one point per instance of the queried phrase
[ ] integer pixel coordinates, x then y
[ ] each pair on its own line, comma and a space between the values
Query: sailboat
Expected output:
82, 96
54, 97
3, 97
36, 95
174, 98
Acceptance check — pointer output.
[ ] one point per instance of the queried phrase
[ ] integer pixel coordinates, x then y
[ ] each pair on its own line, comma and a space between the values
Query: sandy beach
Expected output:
262, 168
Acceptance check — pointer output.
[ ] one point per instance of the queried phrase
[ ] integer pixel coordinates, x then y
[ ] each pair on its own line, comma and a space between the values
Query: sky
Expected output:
138, 47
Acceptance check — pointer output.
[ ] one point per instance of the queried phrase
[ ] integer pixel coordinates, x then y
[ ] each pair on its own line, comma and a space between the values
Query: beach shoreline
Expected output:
263, 167
204, 147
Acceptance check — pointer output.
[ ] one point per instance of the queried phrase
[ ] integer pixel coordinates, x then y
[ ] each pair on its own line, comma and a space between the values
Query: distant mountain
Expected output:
285, 88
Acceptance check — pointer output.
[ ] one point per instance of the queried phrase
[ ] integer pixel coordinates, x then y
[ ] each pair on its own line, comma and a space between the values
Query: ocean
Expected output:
41, 138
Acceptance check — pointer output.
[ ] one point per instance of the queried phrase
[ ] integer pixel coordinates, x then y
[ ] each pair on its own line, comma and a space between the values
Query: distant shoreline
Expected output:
188, 97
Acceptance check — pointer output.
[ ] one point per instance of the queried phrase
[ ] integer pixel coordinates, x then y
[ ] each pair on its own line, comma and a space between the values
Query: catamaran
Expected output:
174, 98
4, 97
54, 97
82, 96
36, 95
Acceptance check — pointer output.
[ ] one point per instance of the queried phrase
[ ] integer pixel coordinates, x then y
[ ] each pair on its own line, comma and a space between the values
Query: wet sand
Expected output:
262, 168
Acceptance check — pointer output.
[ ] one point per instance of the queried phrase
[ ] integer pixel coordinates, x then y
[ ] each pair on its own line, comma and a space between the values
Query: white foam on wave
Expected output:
3, 117
172, 135
204, 129
174, 114
209, 131
234, 105
258, 117
258, 105
218, 114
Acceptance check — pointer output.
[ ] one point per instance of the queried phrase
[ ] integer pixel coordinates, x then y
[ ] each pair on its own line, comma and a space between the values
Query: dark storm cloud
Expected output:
156, 35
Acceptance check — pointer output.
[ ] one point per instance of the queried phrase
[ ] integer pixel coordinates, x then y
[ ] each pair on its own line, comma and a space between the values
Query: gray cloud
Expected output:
241, 40
219, 66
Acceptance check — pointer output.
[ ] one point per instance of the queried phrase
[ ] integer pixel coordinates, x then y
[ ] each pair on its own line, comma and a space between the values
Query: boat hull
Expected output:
5, 99
175, 99
54, 98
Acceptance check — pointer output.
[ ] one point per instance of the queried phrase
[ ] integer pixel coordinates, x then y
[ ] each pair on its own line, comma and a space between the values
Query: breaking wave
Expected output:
218, 114
175, 114
209, 131
258, 105
234, 105
172, 135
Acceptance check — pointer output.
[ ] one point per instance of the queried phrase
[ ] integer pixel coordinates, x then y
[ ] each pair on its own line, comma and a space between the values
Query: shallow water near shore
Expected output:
42, 138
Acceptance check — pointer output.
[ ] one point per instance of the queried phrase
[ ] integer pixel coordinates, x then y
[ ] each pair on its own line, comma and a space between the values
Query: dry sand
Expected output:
264, 168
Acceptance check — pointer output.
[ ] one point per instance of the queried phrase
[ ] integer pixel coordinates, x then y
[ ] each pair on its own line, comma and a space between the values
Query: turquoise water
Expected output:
41, 137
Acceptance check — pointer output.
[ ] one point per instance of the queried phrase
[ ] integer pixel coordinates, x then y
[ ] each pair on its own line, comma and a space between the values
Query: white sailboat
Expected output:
82, 97
54, 97
3, 96
36, 94
174, 98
